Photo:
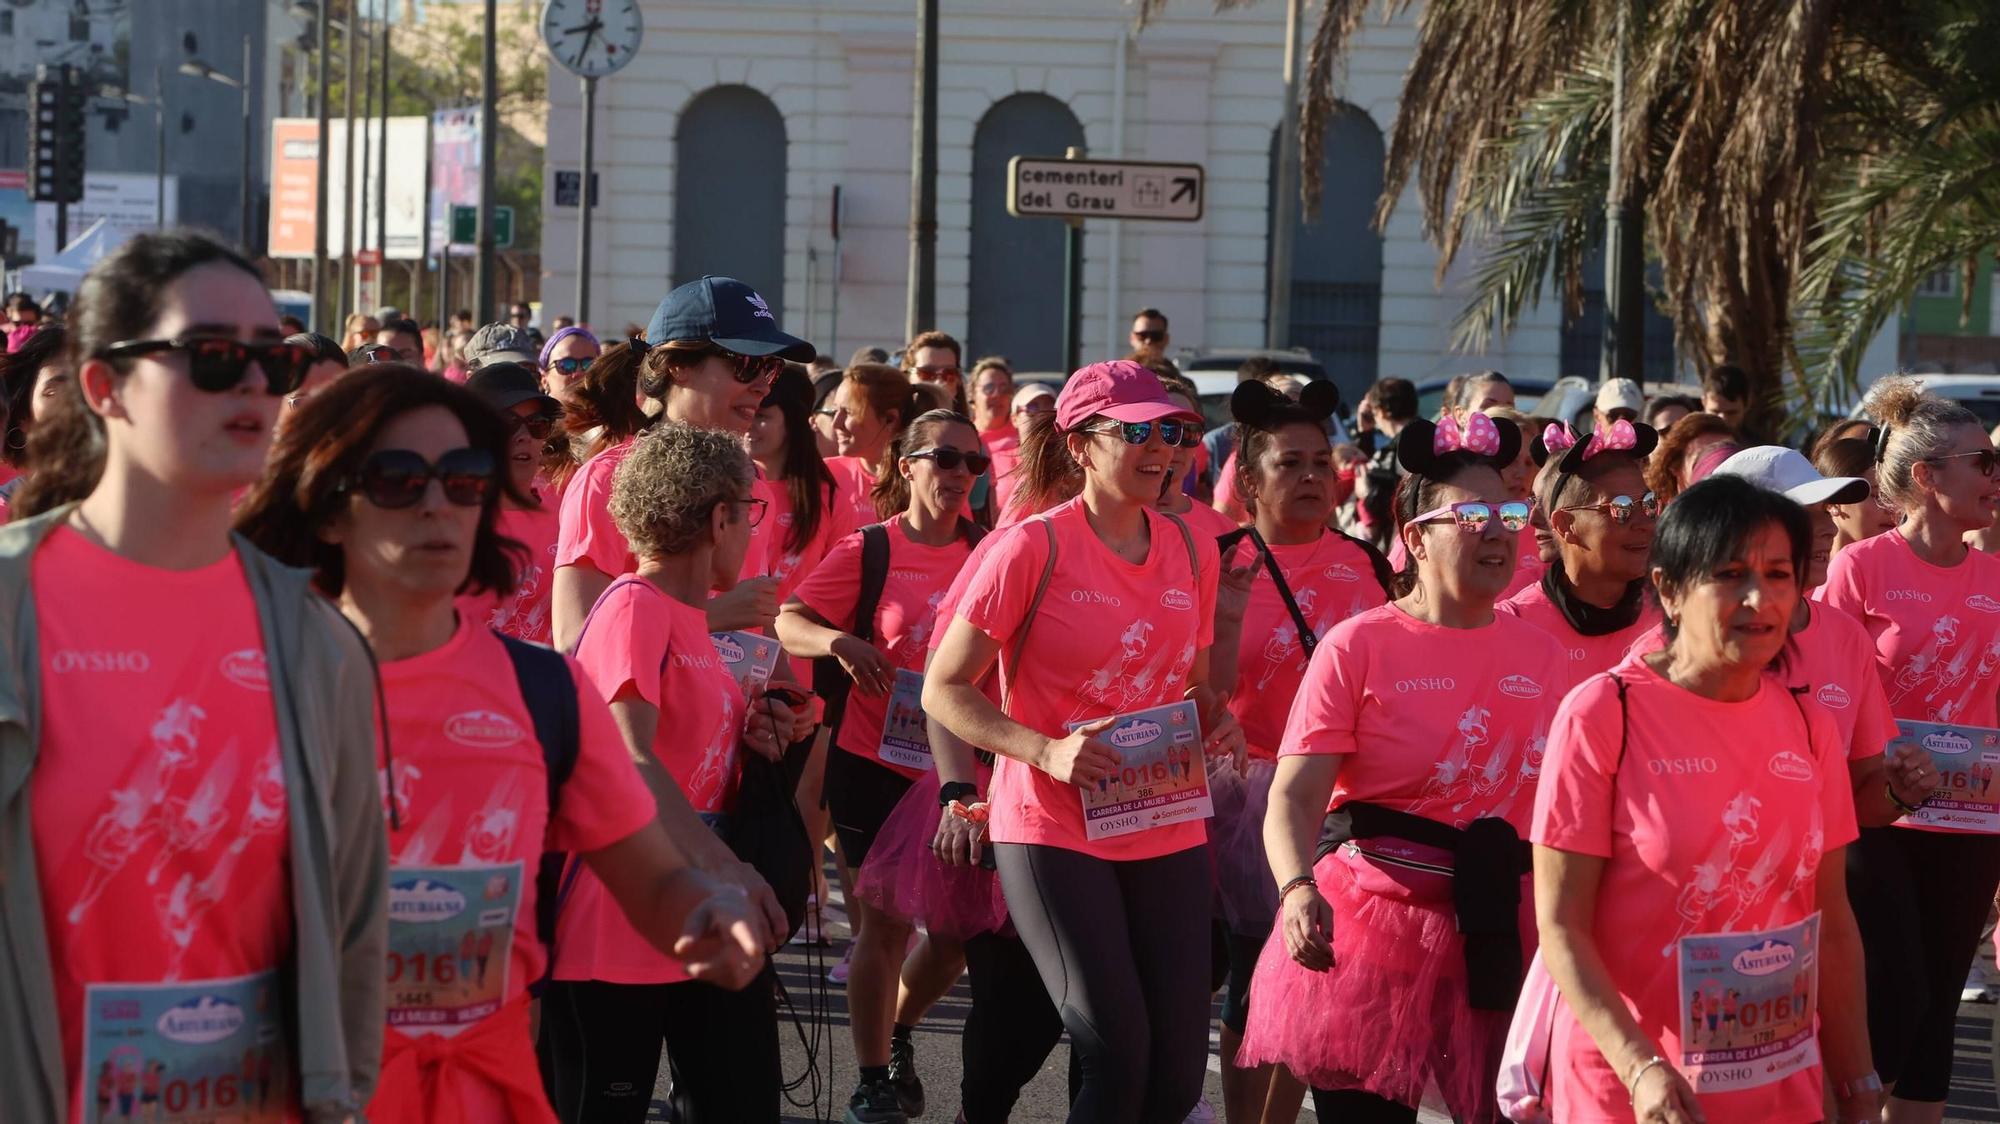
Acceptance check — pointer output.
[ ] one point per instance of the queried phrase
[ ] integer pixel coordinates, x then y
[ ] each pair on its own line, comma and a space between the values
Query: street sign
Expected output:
567, 182
1052, 187
465, 226
367, 257
503, 227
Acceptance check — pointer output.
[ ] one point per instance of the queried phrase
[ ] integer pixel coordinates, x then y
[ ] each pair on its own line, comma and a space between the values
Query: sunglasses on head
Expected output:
1983, 460
1182, 433
1622, 508
1149, 336
946, 373
539, 426
570, 366
397, 478
216, 364
949, 459
1474, 515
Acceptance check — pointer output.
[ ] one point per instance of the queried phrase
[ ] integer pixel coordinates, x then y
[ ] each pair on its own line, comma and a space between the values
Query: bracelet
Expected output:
1633, 1085
1889, 788
1285, 891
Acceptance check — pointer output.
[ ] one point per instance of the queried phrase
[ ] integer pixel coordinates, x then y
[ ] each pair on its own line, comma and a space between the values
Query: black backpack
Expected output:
549, 690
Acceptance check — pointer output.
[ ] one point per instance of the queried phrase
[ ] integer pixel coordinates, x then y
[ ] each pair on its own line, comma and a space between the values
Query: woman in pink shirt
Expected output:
193, 814
1690, 837
1856, 522
871, 766
1103, 607
1304, 580
708, 357
1200, 518
684, 497
527, 510
1922, 887
1406, 772
389, 487
1592, 599
875, 401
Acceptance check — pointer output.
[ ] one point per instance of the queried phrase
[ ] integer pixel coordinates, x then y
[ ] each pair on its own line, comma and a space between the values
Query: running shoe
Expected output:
903, 1075
1977, 988
838, 973
874, 1102
812, 934
1202, 1114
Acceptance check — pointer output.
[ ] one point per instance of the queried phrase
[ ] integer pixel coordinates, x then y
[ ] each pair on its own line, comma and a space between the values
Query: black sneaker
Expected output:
903, 1076
874, 1102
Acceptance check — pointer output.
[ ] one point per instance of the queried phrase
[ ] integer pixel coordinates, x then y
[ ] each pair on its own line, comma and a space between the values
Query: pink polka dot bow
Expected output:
1479, 436
1557, 437
1620, 436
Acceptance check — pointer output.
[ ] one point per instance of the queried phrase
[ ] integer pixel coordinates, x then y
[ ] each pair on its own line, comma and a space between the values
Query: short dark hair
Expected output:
1257, 368
402, 327
868, 355
1395, 398
1727, 381
1665, 402
22, 302
322, 347
18, 373
1708, 525
291, 324
1151, 314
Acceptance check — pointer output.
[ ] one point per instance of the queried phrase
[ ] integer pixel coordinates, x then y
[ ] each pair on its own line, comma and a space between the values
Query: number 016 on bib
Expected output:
1161, 778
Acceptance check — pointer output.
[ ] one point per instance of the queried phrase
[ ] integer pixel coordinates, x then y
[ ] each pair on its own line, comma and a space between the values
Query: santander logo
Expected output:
1520, 687
1832, 695
1178, 600
482, 729
245, 668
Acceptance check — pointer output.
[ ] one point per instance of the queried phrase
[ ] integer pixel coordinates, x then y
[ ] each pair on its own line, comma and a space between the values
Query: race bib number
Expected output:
748, 656
1747, 1004
204, 1052
905, 740
1967, 760
451, 934
1161, 780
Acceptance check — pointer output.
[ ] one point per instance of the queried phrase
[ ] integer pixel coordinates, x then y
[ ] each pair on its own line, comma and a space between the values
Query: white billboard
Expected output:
126, 199
408, 158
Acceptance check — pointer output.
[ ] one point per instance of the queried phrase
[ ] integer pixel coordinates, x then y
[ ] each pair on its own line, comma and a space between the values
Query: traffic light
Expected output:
56, 134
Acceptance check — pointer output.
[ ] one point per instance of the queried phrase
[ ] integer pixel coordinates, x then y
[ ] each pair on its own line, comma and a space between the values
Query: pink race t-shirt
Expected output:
853, 481
1109, 637
1936, 630
1528, 567
1207, 522
523, 614
1331, 579
1712, 817
639, 643
1444, 723
905, 617
471, 792
789, 563
1003, 444
586, 534
159, 810
1588, 655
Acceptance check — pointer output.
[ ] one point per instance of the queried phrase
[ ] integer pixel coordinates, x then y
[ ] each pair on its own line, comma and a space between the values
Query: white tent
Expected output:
64, 272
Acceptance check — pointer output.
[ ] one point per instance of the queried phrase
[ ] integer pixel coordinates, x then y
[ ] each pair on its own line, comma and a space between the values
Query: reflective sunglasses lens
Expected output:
1620, 509
1514, 516
467, 476
750, 368
395, 479
572, 366
1649, 503
1984, 461
1472, 516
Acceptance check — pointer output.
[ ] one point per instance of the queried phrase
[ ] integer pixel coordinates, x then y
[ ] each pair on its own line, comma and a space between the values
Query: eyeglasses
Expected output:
539, 426
1184, 434
571, 366
949, 373
1149, 336
757, 508
1984, 460
398, 478
1622, 508
747, 369
1473, 516
948, 460
216, 364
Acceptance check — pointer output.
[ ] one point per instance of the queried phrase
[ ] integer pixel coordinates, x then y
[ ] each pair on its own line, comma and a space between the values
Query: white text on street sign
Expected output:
1052, 187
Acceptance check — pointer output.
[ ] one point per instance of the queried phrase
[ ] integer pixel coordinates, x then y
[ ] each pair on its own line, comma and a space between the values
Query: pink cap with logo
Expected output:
1120, 390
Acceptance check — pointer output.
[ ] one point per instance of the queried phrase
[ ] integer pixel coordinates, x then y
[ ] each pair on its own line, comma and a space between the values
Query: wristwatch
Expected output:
1870, 1082
956, 790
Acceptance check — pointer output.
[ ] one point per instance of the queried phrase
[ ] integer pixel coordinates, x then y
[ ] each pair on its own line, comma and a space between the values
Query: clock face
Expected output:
592, 38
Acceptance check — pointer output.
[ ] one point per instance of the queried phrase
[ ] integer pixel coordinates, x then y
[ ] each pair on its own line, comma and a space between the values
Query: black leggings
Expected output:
600, 1051
1920, 899
1123, 949
1358, 1106
1242, 953
1009, 1030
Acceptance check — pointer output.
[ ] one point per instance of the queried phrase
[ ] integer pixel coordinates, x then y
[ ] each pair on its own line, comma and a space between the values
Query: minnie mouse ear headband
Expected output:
1635, 438
1555, 439
1260, 406
1422, 447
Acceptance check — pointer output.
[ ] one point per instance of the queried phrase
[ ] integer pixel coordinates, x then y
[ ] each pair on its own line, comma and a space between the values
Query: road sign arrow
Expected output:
1184, 187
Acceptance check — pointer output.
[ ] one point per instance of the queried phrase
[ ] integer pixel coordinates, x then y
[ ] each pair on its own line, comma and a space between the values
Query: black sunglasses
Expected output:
1150, 336
949, 459
217, 363
747, 369
539, 426
396, 478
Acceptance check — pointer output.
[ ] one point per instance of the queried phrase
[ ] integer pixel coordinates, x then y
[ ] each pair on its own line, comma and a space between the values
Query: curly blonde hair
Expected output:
1916, 425
670, 480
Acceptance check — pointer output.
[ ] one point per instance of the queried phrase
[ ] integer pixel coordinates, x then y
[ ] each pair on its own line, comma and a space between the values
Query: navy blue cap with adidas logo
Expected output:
728, 313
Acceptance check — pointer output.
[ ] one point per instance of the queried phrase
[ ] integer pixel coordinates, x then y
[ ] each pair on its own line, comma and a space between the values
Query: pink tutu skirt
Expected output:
1392, 1011
1246, 897
903, 878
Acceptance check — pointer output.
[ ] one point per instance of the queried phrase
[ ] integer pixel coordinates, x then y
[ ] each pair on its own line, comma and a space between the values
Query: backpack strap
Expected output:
1034, 603
829, 679
1187, 540
549, 690
1385, 574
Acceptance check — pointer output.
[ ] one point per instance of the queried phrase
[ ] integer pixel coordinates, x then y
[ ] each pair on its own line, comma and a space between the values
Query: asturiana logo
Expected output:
728, 649
1176, 599
1832, 695
245, 668
1983, 603
482, 729
1132, 735
1786, 765
1765, 957
421, 900
1342, 572
200, 1020
1945, 741
1521, 687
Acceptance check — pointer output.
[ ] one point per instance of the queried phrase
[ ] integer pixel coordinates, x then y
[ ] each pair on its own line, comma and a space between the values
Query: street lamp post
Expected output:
320, 172
196, 68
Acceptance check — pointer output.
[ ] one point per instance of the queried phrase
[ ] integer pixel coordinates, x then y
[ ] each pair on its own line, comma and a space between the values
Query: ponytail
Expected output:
1047, 475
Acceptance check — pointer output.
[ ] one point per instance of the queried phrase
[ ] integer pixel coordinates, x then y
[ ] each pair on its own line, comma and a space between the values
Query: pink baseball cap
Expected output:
1120, 390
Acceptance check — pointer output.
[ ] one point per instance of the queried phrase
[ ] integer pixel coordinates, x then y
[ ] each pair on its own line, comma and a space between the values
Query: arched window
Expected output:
1017, 264
1337, 257
729, 190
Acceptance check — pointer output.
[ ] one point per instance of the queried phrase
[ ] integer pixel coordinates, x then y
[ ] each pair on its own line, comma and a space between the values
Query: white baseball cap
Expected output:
1620, 394
1779, 469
